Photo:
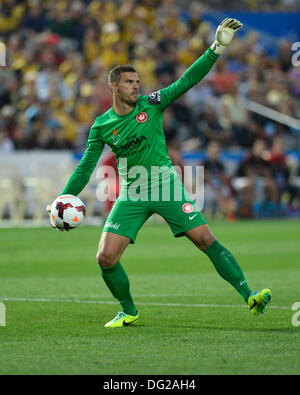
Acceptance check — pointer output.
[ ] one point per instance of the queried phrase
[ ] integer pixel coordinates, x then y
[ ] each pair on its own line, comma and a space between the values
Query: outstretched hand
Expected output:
224, 34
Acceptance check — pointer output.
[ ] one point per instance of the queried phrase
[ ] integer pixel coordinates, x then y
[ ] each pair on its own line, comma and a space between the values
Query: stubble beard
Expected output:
130, 103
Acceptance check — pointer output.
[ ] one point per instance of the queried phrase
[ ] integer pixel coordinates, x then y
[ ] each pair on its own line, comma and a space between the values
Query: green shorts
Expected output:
127, 217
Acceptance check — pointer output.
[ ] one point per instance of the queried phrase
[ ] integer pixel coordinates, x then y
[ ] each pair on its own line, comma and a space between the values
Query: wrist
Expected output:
217, 48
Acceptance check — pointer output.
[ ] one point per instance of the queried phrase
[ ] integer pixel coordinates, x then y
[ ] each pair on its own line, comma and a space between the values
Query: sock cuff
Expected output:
111, 269
214, 249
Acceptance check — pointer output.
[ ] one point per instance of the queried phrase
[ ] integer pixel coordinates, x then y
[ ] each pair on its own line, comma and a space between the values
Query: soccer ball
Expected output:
67, 212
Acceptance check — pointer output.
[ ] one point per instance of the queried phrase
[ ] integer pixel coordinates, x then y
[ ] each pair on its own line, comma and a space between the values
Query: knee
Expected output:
202, 238
206, 240
105, 259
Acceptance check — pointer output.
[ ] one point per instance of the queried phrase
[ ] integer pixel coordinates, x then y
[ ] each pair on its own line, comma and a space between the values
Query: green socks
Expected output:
228, 268
117, 281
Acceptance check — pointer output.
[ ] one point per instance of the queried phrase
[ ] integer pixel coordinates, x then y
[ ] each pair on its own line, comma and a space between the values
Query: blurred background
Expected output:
241, 122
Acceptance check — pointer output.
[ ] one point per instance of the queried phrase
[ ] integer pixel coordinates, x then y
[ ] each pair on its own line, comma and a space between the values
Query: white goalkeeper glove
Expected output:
51, 220
224, 34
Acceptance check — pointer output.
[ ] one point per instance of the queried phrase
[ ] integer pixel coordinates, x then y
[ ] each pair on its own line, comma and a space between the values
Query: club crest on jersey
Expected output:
187, 208
142, 117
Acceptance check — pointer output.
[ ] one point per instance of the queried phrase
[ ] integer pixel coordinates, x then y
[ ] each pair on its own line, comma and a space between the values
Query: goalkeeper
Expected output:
133, 129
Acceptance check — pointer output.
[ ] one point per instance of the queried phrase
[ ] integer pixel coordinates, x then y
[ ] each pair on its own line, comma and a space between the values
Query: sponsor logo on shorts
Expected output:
112, 225
142, 117
187, 208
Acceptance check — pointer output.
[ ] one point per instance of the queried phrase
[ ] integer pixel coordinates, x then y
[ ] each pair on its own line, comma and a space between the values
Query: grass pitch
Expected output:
191, 320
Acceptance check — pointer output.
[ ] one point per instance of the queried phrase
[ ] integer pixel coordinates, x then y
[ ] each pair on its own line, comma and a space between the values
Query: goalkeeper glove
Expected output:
224, 34
53, 224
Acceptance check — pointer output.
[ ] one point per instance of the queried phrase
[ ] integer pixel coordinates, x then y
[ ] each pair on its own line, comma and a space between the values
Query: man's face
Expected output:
128, 88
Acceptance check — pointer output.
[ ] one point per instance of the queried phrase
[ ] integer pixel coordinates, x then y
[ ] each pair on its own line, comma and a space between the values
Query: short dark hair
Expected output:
115, 74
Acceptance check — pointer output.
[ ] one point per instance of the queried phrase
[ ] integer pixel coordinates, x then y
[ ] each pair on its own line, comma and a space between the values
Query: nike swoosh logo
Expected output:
128, 323
116, 142
190, 218
242, 282
254, 304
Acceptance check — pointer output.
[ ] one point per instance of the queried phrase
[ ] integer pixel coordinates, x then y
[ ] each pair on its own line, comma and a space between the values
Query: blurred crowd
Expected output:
265, 184
58, 55
254, 5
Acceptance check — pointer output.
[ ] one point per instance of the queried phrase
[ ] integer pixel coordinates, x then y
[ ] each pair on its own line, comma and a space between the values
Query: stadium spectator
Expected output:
219, 192
210, 129
58, 140
259, 194
34, 18
223, 78
234, 116
8, 120
254, 162
281, 172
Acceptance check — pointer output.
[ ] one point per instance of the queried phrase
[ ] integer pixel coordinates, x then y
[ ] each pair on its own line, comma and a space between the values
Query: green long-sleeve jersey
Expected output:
137, 138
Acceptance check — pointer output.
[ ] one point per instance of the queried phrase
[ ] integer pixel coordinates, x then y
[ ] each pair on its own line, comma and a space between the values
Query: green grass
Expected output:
192, 322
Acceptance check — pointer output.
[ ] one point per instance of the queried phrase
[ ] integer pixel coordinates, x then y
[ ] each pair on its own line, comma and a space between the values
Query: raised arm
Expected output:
194, 74
198, 70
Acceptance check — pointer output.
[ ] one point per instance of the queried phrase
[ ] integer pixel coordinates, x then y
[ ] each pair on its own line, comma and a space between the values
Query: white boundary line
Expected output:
141, 304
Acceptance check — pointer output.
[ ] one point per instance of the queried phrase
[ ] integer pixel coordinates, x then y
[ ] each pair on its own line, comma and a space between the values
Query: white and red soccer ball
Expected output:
67, 212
